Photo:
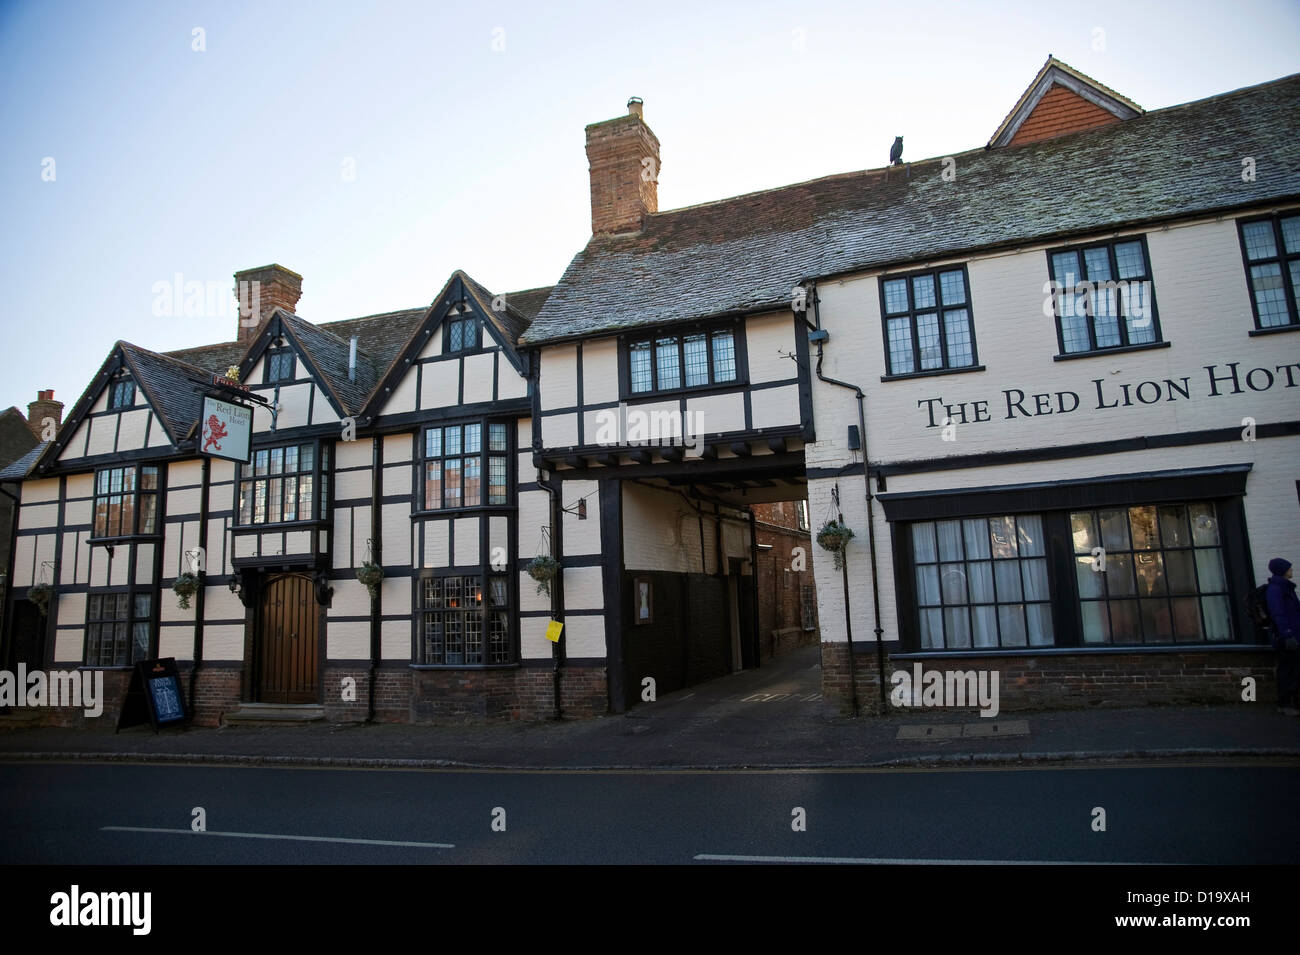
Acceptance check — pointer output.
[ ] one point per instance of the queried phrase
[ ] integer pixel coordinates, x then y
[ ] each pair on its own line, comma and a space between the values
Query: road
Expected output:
100, 813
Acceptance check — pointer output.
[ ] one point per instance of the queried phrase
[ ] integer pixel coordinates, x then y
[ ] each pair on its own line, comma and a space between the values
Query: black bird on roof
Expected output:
896, 151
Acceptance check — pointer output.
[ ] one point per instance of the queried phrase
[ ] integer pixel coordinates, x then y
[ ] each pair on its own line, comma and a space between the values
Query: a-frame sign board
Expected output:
154, 696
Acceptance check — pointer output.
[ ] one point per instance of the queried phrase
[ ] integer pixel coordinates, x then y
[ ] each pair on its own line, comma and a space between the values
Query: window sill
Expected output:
462, 511
124, 539
932, 373
1110, 351
279, 526
464, 666
1274, 329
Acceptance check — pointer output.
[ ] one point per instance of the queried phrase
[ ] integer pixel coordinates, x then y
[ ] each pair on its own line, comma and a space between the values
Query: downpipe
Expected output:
871, 523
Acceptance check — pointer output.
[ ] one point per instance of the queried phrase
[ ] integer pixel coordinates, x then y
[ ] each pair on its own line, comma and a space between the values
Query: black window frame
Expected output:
1162, 548
486, 455
1148, 276
911, 313
94, 625
138, 492
121, 393
994, 561
320, 473
508, 653
1282, 258
465, 316
278, 355
680, 333
1065, 598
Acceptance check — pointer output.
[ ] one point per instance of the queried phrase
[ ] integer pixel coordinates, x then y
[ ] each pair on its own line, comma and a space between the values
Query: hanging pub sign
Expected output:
225, 430
154, 696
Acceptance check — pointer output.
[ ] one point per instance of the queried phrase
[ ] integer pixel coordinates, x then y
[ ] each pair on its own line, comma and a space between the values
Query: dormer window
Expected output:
280, 365
121, 393
462, 334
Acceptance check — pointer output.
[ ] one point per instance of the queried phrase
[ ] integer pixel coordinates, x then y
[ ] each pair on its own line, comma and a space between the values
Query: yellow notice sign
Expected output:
553, 631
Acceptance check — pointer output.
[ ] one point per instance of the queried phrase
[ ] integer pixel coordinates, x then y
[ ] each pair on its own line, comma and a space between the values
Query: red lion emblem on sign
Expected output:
215, 431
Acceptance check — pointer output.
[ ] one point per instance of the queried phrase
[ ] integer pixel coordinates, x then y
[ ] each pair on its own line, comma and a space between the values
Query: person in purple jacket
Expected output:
1284, 609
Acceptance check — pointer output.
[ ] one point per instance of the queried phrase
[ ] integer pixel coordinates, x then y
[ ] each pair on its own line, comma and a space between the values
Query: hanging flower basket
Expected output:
41, 595
543, 569
834, 537
371, 574
185, 587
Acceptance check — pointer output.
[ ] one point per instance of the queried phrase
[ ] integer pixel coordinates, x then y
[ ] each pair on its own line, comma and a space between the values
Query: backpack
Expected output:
1257, 610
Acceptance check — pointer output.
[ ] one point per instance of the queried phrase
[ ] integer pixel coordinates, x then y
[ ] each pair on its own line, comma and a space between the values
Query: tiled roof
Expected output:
331, 356
747, 253
174, 388
381, 338
214, 358
23, 466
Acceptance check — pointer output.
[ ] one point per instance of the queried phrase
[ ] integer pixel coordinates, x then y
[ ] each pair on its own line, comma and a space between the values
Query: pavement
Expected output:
772, 717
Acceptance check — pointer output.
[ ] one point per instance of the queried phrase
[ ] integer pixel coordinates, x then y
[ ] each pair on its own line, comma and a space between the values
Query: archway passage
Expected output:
288, 641
693, 572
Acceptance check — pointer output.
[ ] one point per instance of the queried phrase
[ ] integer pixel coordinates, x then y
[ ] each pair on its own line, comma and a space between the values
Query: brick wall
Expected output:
620, 195
217, 691
1066, 682
1061, 111
523, 693
780, 604
392, 694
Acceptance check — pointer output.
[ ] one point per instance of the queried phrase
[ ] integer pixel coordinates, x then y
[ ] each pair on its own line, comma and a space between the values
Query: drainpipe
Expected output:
6, 624
377, 551
557, 587
871, 522
753, 595
203, 579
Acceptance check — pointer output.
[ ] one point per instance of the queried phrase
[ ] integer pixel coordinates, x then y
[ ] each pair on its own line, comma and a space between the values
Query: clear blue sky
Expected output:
468, 155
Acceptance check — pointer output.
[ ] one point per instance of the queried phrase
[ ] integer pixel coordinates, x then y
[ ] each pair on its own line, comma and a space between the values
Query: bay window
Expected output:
285, 484
466, 465
126, 501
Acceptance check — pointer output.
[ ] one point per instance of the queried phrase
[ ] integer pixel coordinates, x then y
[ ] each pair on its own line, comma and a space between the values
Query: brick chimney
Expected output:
259, 292
44, 407
624, 157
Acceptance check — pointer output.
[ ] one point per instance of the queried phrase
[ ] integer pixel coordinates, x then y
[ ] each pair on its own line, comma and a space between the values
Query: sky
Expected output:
375, 147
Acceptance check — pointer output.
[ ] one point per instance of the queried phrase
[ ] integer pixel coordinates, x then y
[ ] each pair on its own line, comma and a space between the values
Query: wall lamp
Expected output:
580, 509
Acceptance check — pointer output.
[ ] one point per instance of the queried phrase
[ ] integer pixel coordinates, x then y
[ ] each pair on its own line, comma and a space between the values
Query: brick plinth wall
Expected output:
392, 695
584, 692
115, 683
835, 678
217, 692
521, 693
1074, 680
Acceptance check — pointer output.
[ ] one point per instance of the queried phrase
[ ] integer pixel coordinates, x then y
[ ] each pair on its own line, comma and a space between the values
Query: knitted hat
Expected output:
1279, 566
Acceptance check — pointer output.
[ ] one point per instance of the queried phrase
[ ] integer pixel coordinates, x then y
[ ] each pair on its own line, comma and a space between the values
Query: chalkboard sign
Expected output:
154, 696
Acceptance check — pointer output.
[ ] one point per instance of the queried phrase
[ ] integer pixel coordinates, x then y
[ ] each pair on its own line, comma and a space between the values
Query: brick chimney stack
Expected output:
44, 407
259, 292
623, 155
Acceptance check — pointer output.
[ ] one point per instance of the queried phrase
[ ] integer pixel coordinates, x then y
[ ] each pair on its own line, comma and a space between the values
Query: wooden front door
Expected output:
288, 625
